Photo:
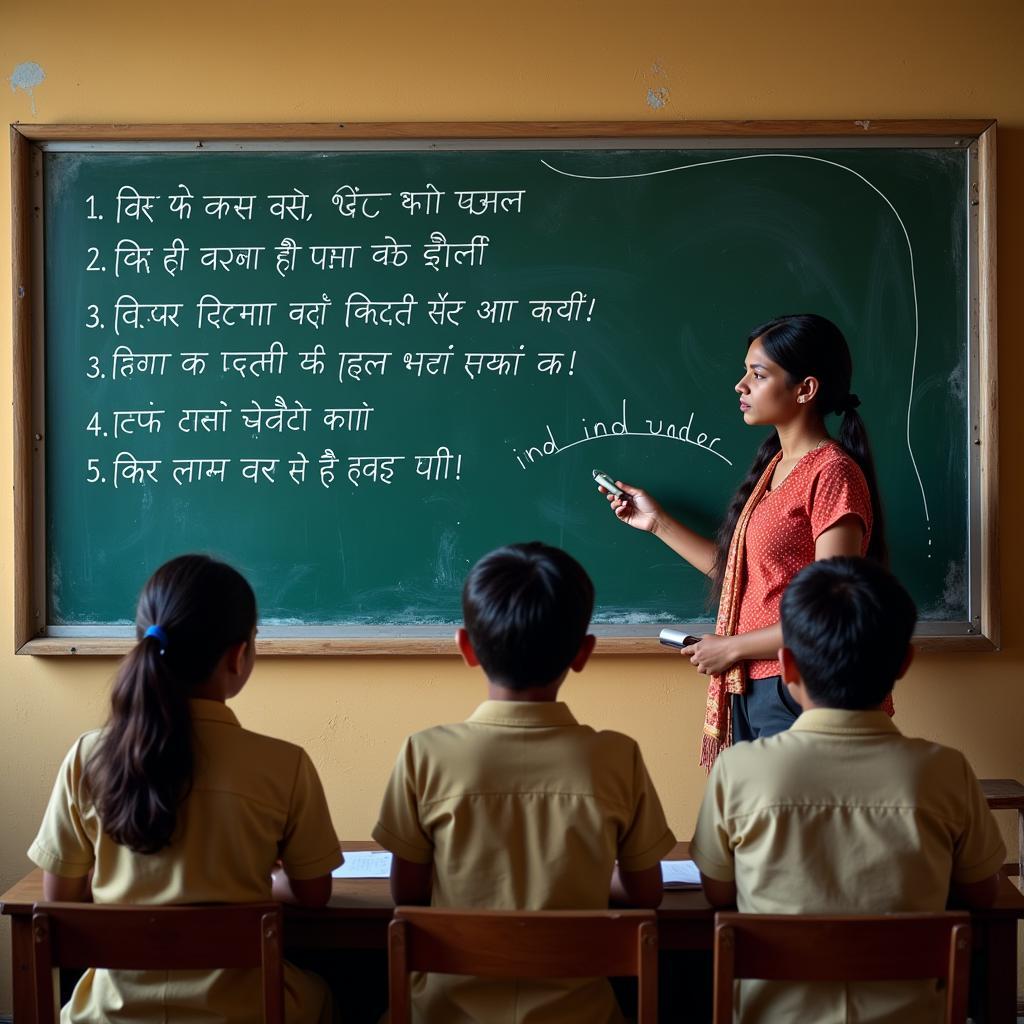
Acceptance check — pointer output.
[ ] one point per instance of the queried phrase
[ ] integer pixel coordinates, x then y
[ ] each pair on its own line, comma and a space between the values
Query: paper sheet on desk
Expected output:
680, 874
364, 864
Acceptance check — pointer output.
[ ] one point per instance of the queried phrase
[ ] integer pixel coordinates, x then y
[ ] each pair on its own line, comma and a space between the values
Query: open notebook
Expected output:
676, 874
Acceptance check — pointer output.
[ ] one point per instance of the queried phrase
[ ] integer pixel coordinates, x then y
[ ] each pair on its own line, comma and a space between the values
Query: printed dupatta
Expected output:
718, 712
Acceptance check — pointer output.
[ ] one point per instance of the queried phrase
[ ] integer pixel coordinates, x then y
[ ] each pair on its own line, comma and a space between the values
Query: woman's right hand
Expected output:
636, 507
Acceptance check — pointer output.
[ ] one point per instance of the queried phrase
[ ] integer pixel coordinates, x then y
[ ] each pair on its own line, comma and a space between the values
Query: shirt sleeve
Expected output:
398, 827
309, 847
979, 850
647, 838
839, 490
711, 846
62, 845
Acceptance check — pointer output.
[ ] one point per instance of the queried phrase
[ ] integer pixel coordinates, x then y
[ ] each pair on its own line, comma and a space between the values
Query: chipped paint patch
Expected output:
26, 77
657, 93
866, 125
657, 98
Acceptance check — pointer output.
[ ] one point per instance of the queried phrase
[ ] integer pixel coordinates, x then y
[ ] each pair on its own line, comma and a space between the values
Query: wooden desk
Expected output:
359, 911
1006, 795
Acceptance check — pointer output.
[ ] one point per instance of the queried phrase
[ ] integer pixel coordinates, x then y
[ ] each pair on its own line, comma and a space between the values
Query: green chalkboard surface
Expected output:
351, 373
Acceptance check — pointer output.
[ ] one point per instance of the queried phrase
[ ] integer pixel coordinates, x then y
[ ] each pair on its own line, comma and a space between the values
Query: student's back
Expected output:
240, 802
847, 815
842, 814
521, 807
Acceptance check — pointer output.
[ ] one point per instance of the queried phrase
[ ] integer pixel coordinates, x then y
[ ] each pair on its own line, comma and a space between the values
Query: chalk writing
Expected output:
359, 307
350, 200
255, 364
501, 363
132, 205
617, 427
439, 249
128, 311
481, 202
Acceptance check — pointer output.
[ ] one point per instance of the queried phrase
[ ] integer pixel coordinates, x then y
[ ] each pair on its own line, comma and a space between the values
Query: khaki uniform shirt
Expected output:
843, 814
254, 799
520, 807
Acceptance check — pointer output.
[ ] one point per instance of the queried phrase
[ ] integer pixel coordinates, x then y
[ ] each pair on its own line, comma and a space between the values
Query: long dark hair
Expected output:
808, 345
142, 767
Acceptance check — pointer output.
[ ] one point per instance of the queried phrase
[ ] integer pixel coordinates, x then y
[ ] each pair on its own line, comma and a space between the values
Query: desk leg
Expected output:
1020, 846
23, 990
998, 998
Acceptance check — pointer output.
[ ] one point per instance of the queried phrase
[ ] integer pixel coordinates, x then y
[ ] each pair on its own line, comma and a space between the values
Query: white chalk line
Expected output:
820, 160
641, 433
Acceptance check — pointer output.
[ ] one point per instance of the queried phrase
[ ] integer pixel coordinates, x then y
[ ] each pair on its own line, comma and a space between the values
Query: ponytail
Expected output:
853, 438
190, 612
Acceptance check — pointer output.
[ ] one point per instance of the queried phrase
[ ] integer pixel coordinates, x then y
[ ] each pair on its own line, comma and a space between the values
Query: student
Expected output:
520, 806
842, 814
173, 802
806, 496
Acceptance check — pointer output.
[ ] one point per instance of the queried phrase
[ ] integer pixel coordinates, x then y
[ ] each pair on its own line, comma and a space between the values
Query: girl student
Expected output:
172, 801
806, 496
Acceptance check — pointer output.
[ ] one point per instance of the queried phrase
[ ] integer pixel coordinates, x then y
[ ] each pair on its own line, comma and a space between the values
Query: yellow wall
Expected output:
533, 59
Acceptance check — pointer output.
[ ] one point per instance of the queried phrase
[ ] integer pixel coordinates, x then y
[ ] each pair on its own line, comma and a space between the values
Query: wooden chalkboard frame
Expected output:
30, 634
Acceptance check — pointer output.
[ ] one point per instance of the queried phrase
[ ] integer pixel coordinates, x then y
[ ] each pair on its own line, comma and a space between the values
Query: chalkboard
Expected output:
351, 371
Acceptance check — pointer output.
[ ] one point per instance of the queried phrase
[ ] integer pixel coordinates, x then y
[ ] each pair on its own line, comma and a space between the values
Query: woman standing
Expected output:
807, 496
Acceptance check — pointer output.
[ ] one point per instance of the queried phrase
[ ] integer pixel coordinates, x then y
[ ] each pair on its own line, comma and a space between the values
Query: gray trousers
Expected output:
764, 710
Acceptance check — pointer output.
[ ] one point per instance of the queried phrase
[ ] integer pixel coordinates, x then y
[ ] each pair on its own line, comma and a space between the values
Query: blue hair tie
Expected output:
159, 633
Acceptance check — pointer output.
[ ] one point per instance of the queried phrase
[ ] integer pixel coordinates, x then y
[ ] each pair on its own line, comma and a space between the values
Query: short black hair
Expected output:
526, 608
848, 622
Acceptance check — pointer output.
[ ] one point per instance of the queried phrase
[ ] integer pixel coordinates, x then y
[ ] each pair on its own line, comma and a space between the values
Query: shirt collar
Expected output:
524, 714
845, 723
212, 711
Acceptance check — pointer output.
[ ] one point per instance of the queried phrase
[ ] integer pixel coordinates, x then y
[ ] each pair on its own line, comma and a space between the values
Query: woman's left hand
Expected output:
713, 654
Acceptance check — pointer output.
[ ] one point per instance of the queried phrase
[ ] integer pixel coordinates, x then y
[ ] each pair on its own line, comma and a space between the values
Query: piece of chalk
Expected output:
607, 483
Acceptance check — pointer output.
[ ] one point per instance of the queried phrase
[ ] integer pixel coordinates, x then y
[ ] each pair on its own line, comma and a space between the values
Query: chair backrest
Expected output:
524, 944
888, 947
81, 935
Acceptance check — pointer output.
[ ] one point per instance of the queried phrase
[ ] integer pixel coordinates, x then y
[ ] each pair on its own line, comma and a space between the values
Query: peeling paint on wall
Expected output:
657, 94
657, 98
26, 77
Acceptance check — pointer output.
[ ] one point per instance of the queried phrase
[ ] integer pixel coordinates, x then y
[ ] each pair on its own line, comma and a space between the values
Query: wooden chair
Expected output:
523, 944
81, 935
889, 947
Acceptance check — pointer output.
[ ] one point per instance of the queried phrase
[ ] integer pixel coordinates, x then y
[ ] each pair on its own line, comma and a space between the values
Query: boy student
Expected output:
843, 814
520, 806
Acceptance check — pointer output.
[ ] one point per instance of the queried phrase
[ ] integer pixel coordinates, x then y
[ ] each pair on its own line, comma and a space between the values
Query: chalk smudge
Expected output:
26, 77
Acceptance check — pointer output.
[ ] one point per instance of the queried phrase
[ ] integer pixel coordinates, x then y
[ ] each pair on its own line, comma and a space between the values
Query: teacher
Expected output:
807, 496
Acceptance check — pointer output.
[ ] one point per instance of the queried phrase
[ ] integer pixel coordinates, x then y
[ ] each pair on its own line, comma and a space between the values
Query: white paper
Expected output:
364, 864
679, 874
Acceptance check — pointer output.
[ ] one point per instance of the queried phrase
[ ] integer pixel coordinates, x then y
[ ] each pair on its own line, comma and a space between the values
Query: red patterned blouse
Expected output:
825, 485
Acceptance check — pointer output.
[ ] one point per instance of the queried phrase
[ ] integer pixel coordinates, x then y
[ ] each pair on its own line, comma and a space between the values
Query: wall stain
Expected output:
26, 77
